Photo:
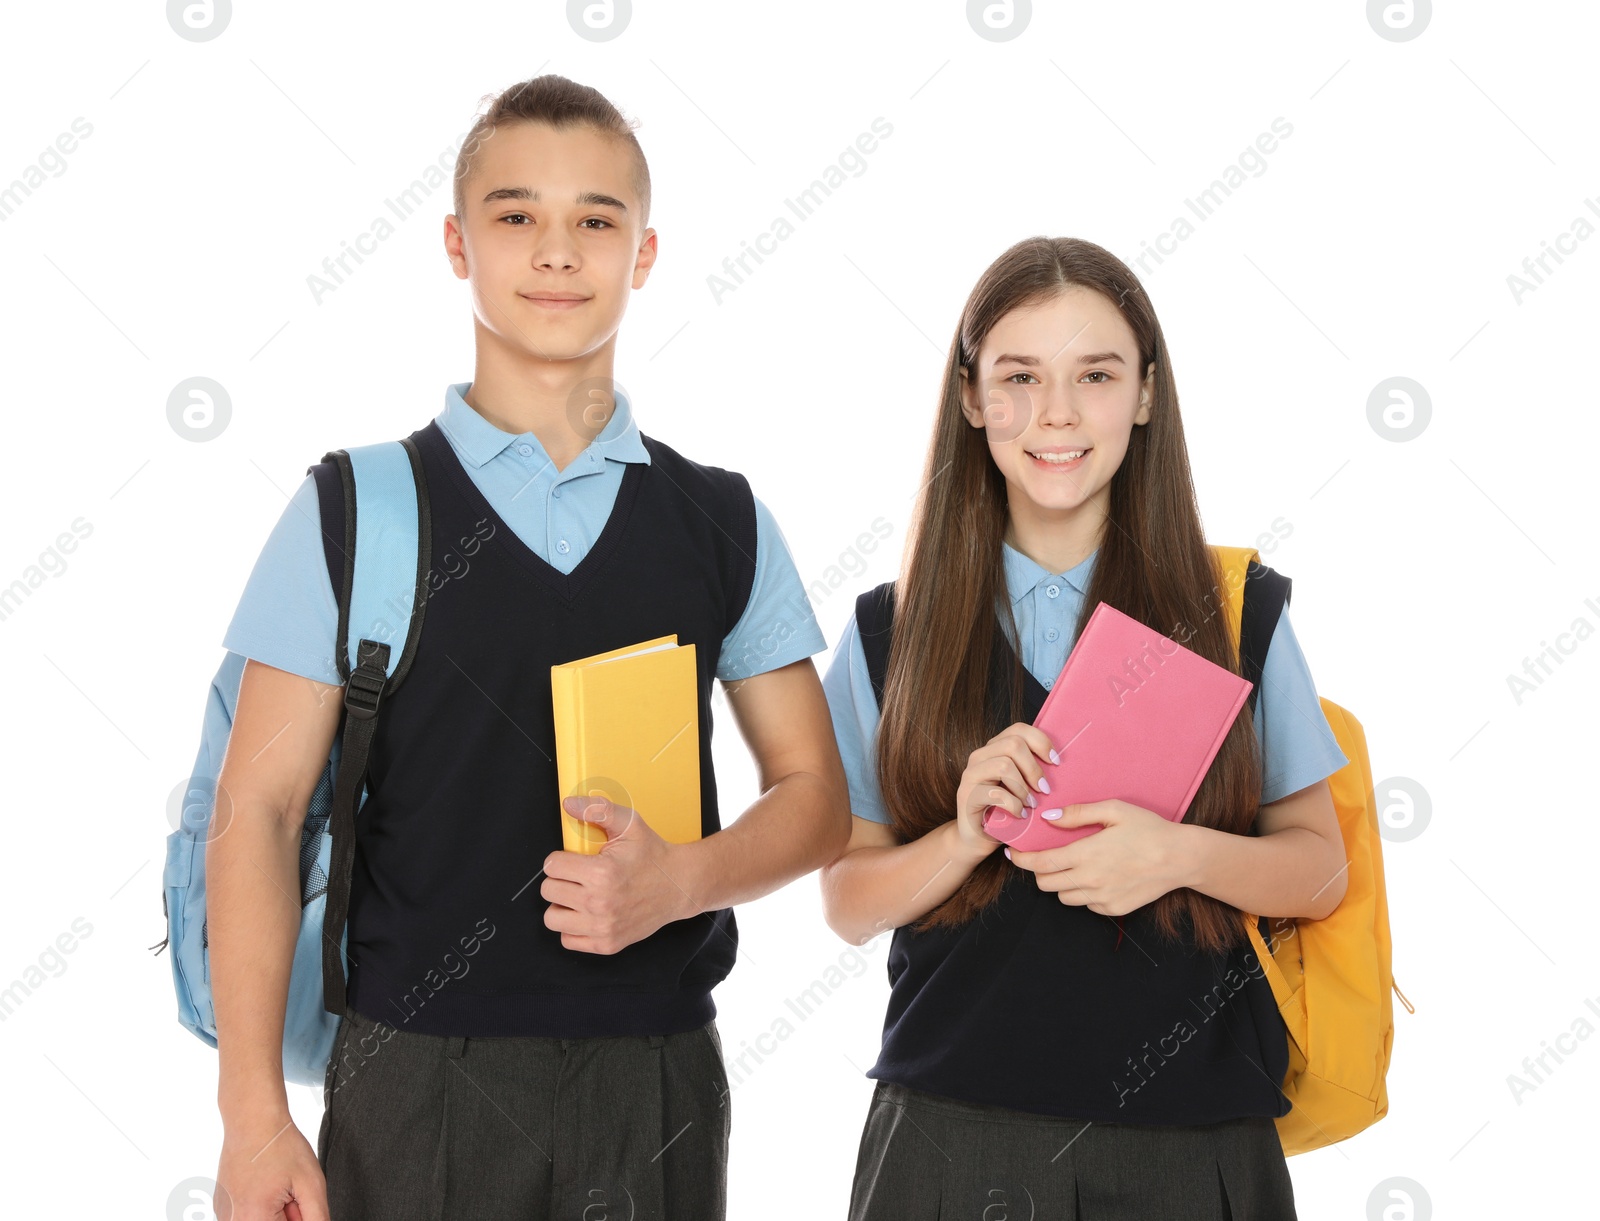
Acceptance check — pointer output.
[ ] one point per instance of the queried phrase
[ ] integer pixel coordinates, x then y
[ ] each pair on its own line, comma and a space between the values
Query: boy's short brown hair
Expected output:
559, 102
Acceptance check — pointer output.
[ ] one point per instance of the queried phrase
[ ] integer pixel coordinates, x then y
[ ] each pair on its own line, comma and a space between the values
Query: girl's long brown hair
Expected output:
1152, 564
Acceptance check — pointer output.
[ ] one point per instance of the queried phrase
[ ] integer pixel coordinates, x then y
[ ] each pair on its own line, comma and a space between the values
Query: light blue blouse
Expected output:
1297, 744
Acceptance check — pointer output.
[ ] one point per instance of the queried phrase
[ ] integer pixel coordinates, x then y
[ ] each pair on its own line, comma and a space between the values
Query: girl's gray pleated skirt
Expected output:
924, 1157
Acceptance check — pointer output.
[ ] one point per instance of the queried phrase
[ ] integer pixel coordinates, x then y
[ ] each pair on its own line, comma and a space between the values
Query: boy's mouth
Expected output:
555, 301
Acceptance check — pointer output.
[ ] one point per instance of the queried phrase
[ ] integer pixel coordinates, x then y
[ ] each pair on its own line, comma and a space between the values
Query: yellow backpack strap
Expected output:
1282, 989
1235, 562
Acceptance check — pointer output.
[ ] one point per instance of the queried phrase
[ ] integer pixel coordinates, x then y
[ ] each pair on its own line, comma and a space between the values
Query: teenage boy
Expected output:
573, 1067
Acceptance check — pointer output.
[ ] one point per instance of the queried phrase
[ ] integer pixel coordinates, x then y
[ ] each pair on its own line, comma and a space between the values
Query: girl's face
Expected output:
1052, 379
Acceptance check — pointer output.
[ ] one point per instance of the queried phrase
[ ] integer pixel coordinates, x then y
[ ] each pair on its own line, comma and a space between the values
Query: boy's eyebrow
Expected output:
592, 198
1088, 358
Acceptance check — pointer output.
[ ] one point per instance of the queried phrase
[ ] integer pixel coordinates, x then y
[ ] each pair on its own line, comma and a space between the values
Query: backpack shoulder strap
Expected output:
875, 623
1256, 596
380, 521
377, 540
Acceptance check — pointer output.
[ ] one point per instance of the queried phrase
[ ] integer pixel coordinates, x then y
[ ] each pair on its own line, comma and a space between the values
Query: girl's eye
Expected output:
1017, 374
1098, 373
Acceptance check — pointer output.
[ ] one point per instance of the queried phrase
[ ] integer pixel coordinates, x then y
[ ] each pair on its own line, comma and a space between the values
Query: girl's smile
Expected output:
1056, 460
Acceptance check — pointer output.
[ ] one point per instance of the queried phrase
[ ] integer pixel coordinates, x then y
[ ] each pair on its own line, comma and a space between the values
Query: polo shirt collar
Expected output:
478, 441
1024, 574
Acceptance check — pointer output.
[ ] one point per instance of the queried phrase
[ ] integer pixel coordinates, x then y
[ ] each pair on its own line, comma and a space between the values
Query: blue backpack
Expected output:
384, 549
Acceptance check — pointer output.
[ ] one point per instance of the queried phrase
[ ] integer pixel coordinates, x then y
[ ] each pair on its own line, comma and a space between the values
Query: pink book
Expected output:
1134, 716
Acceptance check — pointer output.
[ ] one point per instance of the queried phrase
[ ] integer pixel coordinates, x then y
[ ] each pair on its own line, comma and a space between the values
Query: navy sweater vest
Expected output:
446, 924
1036, 1006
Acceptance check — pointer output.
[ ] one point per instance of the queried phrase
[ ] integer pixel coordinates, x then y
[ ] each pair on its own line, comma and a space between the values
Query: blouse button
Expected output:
1053, 591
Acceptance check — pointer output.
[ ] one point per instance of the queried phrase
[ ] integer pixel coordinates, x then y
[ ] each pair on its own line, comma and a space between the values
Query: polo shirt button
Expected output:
1051, 634
556, 492
1053, 591
524, 450
562, 547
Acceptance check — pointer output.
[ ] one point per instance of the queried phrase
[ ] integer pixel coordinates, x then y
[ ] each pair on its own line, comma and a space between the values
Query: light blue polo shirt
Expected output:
288, 616
1298, 746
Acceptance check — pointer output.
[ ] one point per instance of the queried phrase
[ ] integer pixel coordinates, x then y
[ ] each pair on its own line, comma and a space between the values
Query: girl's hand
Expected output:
1004, 771
1135, 860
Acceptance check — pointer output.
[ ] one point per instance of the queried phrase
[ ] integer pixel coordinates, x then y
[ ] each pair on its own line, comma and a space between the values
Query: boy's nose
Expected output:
555, 253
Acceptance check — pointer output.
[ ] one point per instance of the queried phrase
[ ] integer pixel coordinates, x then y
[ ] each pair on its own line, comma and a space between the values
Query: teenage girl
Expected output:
1081, 1032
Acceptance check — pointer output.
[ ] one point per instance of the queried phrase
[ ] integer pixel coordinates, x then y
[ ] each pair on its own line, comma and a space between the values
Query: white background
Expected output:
177, 241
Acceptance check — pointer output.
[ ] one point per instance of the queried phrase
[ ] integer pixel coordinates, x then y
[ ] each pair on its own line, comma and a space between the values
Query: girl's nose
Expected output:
1059, 407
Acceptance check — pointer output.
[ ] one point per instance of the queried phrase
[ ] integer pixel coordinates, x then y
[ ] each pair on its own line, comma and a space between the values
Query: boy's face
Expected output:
551, 241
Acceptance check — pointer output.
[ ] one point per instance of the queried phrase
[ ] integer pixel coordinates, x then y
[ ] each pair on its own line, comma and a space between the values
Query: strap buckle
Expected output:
364, 689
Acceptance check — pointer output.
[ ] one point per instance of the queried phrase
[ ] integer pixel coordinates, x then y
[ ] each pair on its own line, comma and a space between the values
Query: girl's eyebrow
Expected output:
591, 198
1089, 358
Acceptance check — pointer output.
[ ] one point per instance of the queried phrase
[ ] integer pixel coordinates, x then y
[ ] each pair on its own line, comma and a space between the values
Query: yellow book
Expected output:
628, 728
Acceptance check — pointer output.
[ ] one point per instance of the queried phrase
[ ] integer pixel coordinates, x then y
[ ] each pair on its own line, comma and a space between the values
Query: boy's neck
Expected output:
551, 399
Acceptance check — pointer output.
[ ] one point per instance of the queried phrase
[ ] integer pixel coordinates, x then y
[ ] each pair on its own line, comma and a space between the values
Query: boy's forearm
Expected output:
874, 889
790, 830
253, 916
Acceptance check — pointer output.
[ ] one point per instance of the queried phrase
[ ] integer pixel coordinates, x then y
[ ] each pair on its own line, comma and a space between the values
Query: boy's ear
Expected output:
1146, 395
453, 246
645, 259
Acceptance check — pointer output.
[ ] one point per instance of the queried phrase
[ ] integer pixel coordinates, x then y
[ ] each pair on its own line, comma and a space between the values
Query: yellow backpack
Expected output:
1331, 977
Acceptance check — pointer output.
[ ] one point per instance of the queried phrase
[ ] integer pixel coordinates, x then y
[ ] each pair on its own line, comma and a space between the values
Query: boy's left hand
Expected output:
603, 903
1134, 860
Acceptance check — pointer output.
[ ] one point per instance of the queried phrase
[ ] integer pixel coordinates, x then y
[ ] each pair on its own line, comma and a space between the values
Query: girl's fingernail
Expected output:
1008, 853
1044, 785
1052, 815
1054, 758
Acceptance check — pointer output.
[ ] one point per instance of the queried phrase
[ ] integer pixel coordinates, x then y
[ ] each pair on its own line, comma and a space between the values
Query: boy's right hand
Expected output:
267, 1177
1005, 771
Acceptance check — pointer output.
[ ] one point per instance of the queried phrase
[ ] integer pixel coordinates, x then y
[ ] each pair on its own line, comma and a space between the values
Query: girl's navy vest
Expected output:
1039, 1006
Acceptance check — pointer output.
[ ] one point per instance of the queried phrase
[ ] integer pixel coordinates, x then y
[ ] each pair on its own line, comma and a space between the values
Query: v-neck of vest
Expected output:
567, 584
1034, 692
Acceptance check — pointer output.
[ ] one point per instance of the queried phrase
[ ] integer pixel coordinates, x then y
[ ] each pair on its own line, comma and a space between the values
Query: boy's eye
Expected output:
522, 216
